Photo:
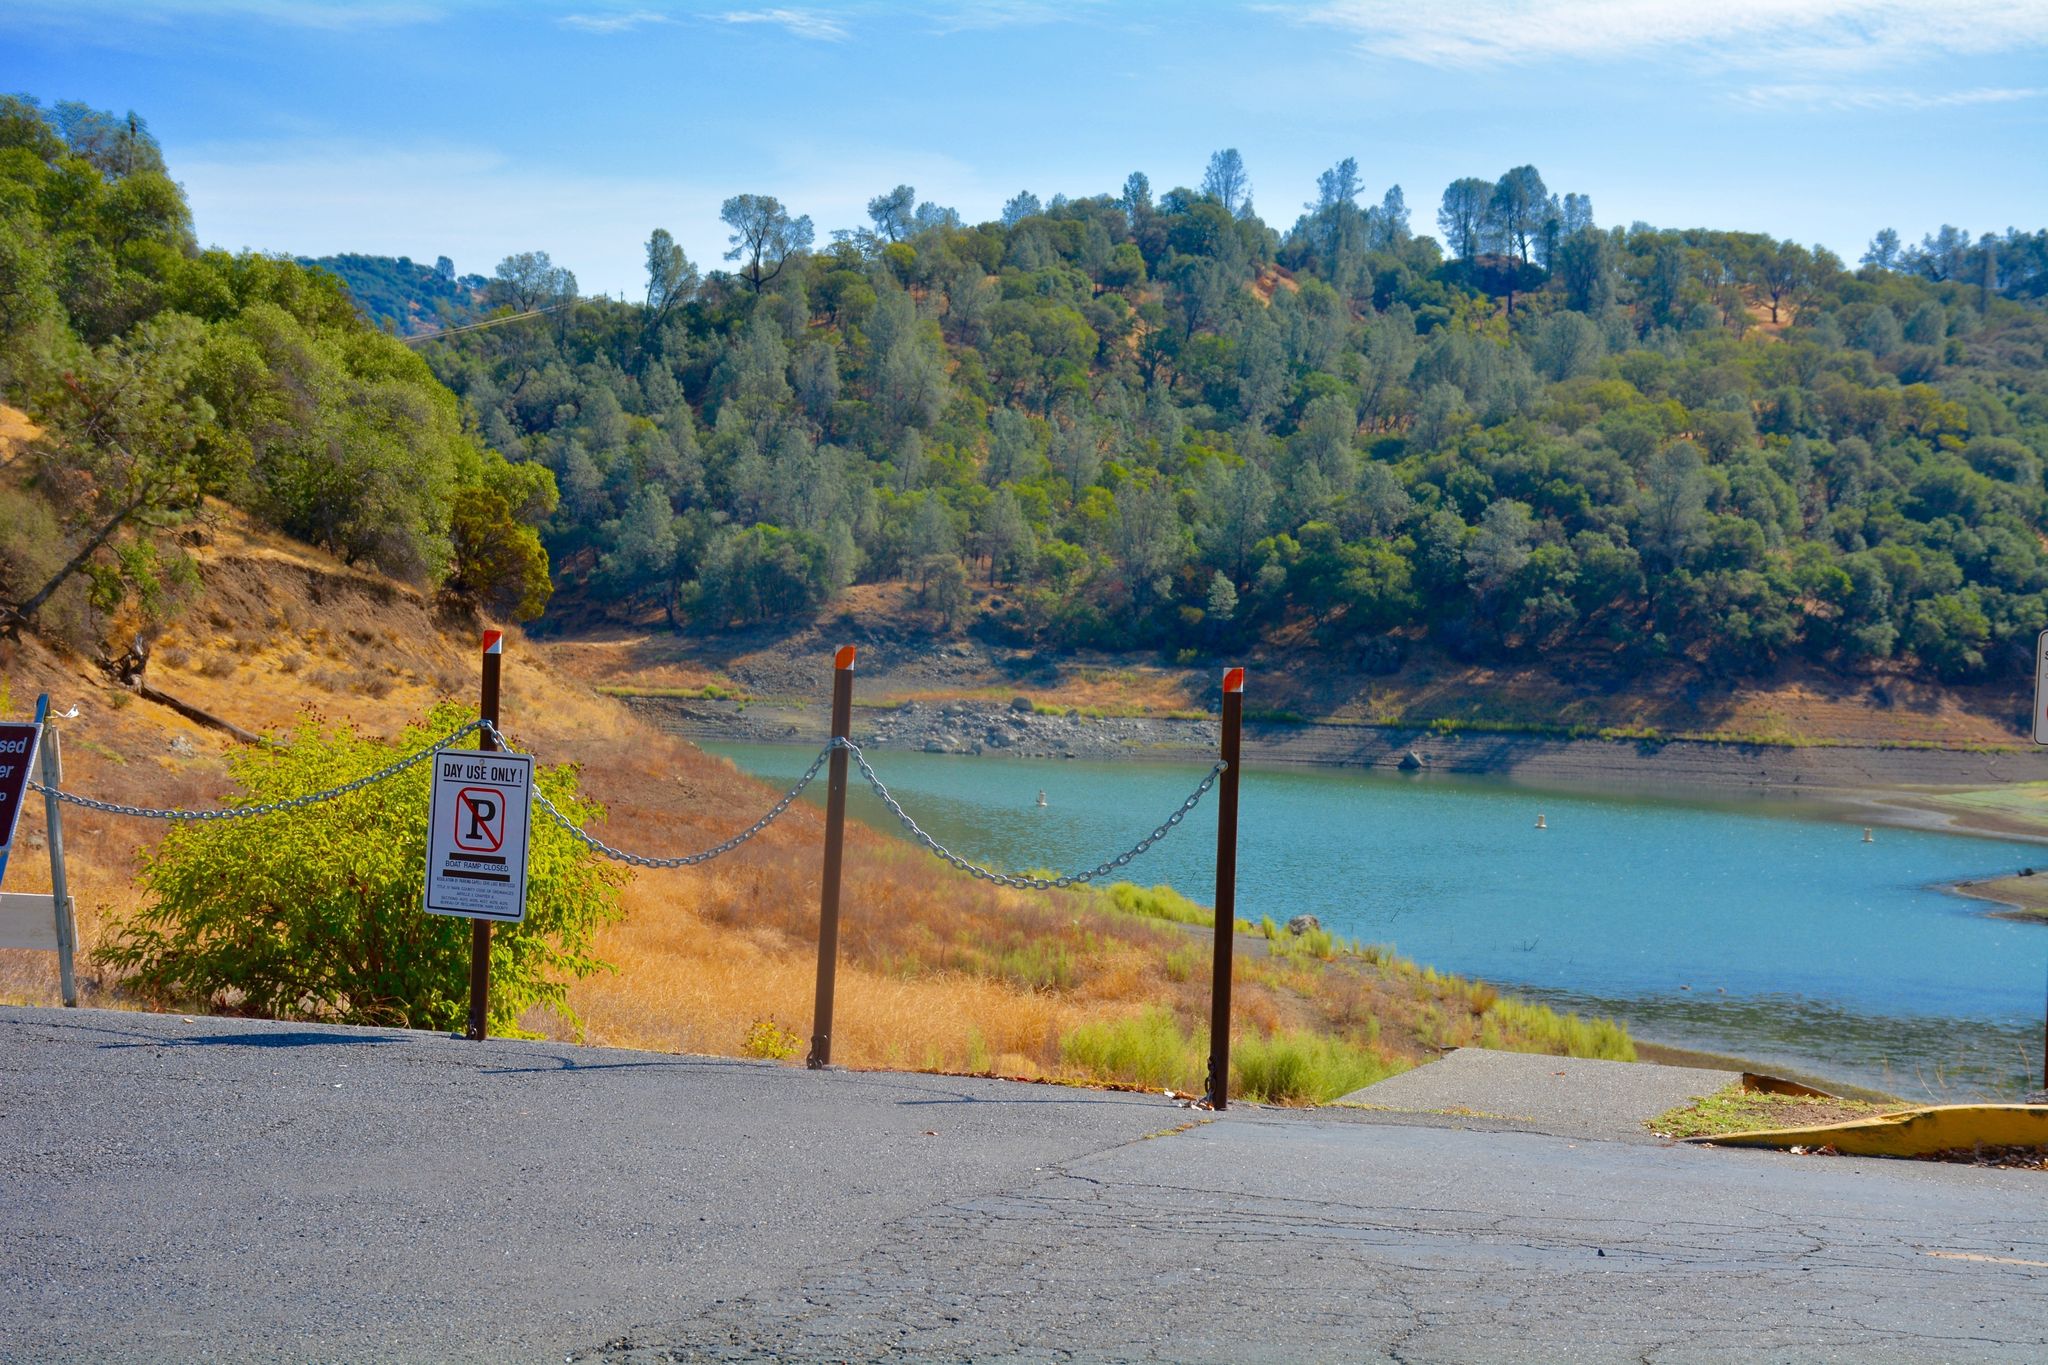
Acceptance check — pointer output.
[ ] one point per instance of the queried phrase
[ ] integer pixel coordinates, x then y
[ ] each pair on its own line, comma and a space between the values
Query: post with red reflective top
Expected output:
835, 848
480, 929
1226, 889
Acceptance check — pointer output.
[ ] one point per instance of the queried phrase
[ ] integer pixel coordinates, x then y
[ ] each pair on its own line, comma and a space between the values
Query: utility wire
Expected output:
488, 322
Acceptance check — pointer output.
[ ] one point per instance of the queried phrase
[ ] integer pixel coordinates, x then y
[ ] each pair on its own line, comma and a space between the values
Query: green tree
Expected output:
671, 279
1464, 214
1225, 181
764, 236
316, 913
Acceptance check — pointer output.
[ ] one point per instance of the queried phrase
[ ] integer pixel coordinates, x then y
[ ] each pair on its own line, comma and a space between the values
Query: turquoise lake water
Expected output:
1760, 927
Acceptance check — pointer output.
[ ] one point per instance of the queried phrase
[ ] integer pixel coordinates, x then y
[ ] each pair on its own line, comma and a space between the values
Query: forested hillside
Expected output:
161, 375
401, 295
1156, 421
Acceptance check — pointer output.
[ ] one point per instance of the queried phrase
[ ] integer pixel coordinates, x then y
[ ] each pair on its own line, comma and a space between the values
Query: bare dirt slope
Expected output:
906, 656
938, 971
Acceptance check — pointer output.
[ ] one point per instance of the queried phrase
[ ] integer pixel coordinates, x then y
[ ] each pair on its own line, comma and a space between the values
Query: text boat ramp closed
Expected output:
478, 821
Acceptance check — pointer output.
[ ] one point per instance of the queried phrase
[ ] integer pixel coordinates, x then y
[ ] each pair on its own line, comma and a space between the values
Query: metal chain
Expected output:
265, 807
599, 846
1027, 883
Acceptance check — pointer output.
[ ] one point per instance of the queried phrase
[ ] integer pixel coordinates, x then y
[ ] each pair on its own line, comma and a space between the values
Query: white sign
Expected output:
477, 824
2041, 689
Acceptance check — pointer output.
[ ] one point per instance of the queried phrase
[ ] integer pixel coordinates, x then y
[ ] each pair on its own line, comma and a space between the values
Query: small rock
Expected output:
1410, 761
935, 746
1304, 924
183, 746
996, 739
1023, 704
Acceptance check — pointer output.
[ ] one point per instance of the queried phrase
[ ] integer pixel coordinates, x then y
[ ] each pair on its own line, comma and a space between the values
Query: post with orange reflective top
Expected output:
835, 848
480, 929
1226, 889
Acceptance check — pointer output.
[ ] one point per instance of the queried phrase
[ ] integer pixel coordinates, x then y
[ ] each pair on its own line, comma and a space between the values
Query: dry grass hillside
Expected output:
940, 972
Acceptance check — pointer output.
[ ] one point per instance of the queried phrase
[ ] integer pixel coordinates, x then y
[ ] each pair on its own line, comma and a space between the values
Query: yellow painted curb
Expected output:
1911, 1132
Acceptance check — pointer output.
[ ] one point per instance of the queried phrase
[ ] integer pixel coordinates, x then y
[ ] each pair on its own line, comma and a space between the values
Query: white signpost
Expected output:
2041, 688
478, 820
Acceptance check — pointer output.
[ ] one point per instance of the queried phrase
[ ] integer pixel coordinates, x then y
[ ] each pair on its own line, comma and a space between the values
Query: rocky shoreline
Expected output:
1017, 729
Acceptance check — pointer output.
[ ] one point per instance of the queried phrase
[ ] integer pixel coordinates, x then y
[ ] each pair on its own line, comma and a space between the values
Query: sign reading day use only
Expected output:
476, 835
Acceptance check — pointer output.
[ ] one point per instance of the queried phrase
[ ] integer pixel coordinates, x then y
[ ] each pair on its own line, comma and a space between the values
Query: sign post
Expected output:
1226, 890
478, 823
835, 851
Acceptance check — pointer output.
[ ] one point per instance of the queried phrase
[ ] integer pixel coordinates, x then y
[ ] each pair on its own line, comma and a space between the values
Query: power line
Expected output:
489, 322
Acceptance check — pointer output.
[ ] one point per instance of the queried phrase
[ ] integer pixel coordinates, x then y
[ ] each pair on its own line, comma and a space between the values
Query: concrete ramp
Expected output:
1567, 1096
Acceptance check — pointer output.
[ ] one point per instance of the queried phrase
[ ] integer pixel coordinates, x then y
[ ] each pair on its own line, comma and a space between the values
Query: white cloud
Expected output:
613, 23
1827, 33
801, 22
1851, 98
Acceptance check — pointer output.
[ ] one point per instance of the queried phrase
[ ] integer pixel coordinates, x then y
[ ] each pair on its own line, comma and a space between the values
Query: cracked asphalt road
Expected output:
217, 1189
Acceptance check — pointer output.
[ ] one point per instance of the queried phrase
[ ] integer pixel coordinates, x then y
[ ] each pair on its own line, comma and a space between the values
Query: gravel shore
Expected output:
978, 727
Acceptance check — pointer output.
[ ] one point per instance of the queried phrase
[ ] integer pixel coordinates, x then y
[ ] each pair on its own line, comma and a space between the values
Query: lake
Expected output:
1762, 927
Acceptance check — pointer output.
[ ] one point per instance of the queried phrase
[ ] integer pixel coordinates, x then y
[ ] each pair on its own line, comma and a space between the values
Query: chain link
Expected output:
1027, 883
264, 807
599, 846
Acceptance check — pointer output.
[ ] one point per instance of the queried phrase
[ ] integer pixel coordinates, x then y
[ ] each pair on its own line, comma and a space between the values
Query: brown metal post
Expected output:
1226, 890
480, 929
835, 848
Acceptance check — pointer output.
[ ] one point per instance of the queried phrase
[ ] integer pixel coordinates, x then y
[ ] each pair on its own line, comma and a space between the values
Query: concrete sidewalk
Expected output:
230, 1190
1562, 1096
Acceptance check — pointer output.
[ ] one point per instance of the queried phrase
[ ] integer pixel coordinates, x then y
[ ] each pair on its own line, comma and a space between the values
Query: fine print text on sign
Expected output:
477, 826
17, 756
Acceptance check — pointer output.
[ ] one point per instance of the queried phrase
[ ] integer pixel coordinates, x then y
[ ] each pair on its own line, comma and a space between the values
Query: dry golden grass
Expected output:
938, 971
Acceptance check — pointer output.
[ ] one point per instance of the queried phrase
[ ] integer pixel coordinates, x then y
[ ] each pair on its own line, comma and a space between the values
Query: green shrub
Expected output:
1519, 1026
317, 913
1158, 902
1145, 1049
1303, 1068
770, 1040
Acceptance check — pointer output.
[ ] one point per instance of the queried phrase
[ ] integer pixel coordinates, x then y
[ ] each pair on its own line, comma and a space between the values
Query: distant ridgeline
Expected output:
399, 295
1146, 420
1157, 421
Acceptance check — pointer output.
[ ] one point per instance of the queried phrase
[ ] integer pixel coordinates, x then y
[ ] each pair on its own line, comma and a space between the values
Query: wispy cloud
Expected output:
1850, 98
801, 22
613, 23
1827, 33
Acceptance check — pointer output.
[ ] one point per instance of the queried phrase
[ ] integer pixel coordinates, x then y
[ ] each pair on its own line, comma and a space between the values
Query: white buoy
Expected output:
1866, 835
1539, 821
1041, 797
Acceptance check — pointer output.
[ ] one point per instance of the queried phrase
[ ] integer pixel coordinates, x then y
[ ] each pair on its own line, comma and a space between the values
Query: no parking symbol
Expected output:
477, 832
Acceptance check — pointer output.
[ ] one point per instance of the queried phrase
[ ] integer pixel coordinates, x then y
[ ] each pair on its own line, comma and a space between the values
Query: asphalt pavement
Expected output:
225, 1190
1562, 1096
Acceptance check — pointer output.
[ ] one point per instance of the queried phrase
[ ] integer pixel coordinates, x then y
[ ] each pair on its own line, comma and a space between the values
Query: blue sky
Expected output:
475, 129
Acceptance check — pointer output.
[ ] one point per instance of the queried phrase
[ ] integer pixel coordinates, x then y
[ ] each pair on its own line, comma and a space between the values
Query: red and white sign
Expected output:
494, 642
478, 821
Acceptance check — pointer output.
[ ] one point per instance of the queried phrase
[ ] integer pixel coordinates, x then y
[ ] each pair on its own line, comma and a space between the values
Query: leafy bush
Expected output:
1303, 1068
1144, 1049
317, 913
1158, 902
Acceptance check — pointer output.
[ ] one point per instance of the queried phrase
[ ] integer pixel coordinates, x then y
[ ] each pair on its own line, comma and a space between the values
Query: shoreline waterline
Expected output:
1751, 924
